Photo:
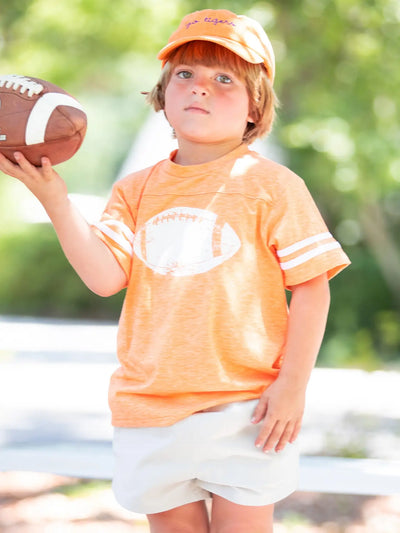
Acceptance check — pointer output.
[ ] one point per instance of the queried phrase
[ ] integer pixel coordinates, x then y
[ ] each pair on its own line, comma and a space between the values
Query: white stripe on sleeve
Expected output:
303, 244
123, 239
315, 252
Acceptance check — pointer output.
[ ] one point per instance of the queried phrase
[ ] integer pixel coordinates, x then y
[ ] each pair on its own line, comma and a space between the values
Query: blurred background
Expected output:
338, 128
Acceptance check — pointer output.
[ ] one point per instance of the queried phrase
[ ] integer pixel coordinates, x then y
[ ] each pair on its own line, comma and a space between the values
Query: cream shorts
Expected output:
213, 452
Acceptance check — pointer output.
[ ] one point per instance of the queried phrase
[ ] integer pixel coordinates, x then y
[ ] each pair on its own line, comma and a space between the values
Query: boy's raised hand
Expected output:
48, 186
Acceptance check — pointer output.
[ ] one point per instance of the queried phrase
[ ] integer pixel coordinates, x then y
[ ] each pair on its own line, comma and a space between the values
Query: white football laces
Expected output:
21, 84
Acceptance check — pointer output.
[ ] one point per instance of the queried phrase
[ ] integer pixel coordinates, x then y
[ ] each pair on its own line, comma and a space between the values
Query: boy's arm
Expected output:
281, 406
89, 256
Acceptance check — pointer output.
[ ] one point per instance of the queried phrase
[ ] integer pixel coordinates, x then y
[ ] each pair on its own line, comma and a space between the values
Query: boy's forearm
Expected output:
308, 313
88, 255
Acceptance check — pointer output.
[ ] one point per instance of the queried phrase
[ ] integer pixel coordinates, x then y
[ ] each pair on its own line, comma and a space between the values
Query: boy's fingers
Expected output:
31, 171
8, 167
3, 160
25, 168
269, 433
296, 431
260, 411
274, 437
289, 435
276, 434
47, 168
286, 437
23, 163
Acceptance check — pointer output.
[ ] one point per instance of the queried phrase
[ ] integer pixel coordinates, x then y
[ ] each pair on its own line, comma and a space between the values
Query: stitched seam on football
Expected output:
77, 130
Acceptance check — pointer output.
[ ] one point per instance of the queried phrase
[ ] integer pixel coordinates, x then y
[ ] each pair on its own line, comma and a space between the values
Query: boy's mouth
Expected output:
197, 109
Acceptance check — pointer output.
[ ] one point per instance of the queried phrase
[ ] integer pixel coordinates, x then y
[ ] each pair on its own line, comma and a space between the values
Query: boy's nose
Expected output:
200, 87
199, 90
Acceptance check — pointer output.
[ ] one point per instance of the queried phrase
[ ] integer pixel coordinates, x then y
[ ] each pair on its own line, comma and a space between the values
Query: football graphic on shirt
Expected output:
184, 241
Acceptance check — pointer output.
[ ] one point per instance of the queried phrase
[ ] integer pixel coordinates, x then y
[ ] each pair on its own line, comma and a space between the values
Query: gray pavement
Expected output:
54, 379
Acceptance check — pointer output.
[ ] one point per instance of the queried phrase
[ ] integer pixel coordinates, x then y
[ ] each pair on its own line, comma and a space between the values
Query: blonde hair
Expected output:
262, 98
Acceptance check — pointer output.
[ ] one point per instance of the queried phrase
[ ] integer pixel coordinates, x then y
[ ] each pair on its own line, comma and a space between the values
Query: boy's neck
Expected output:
197, 153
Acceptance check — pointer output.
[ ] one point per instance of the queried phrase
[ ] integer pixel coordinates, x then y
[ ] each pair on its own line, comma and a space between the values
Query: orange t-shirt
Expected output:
208, 251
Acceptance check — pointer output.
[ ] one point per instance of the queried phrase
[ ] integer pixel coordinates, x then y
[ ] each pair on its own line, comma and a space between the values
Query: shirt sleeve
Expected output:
116, 227
303, 245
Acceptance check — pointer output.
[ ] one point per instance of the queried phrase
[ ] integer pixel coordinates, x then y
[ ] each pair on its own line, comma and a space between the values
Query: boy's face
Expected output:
207, 104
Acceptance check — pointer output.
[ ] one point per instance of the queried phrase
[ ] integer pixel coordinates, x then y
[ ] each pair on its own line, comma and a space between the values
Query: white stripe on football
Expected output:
41, 112
183, 241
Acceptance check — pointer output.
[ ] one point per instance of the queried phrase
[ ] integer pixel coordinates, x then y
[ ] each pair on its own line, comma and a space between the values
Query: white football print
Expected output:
184, 241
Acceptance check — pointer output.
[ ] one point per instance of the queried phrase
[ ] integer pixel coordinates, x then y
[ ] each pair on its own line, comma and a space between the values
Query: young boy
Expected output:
209, 396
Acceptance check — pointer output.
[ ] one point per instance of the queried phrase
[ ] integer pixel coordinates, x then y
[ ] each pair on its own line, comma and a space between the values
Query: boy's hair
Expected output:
262, 98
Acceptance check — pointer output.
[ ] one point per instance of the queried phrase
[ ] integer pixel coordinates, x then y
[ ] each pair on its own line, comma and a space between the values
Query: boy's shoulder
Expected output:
268, 173
136, 178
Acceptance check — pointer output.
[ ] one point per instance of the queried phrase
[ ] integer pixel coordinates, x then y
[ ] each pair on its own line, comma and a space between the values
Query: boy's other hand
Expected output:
280, 411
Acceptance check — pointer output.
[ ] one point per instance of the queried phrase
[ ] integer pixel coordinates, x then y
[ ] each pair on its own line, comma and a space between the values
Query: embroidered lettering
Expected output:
191, 24
210, 21
218, 21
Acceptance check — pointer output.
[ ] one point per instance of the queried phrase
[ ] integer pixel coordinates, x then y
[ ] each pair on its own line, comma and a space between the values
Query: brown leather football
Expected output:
39, 119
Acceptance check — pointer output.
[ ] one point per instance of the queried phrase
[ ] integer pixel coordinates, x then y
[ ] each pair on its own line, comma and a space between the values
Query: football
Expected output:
39, 119
184, 241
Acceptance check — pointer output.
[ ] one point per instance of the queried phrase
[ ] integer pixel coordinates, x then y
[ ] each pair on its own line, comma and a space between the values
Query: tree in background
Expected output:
337, 70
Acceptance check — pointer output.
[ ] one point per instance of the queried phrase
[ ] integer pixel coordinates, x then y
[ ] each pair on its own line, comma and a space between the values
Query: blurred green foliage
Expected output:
36, 279
339, 128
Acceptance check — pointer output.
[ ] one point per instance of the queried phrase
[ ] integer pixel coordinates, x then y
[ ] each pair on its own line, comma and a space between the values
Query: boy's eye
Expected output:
223, 78
184, 74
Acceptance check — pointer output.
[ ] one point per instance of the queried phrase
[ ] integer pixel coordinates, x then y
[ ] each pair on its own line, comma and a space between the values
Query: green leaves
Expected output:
337, 79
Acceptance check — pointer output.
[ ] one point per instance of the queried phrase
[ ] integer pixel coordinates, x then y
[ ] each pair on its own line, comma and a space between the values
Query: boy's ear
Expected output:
249, 116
